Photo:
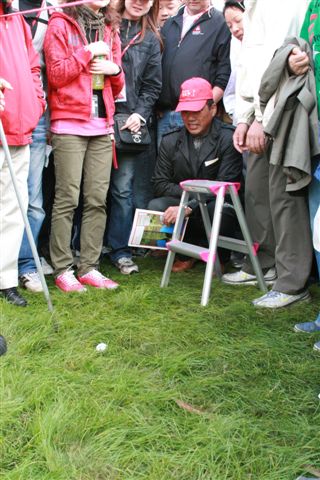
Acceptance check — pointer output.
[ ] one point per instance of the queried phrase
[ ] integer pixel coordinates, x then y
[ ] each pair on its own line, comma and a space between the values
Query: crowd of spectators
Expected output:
226, 91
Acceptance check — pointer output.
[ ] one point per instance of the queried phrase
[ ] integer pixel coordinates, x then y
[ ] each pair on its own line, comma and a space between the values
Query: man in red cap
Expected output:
202, 149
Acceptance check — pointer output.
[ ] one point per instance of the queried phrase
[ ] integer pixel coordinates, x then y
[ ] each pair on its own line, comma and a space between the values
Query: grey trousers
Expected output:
88, 159
279, 222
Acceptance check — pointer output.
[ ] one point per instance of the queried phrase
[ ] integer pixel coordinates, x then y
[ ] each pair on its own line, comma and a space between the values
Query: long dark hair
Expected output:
148, 21
112, 17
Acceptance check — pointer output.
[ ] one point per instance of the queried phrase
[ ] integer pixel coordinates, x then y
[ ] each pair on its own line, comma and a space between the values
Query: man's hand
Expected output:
298, 62
170, 215
217, 94
3, 85
256, 139
239, 137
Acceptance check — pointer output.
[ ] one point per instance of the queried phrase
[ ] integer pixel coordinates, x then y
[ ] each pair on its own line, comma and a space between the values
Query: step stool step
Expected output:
194, 251
235, 245
206, 186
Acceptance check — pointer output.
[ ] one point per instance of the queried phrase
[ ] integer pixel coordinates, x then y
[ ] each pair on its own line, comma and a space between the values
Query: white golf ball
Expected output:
101, 347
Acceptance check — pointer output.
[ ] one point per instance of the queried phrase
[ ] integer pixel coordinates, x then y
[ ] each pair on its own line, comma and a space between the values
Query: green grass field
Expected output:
182, 392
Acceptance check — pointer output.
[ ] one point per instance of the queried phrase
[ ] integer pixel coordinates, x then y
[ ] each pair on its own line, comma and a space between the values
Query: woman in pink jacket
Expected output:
83, 59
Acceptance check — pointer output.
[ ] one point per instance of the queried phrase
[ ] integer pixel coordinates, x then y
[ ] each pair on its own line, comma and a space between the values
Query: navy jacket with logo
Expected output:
203, 52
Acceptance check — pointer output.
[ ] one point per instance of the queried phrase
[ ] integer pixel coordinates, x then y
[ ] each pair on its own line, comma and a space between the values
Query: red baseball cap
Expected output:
194, 94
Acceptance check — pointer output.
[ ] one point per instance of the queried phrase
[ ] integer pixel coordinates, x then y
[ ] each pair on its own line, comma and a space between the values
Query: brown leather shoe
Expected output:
183, 265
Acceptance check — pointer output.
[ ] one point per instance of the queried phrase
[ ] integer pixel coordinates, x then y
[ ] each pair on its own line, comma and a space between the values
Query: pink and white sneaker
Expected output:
95, 279
67, 282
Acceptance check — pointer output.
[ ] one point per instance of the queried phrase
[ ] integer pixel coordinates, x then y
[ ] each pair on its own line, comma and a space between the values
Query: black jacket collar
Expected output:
207, 148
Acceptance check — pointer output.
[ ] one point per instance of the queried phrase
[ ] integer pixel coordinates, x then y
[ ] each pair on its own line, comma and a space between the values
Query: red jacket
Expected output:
19, 65
68, 65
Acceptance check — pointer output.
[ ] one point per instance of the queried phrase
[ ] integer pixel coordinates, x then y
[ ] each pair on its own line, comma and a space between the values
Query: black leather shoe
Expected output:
13, 296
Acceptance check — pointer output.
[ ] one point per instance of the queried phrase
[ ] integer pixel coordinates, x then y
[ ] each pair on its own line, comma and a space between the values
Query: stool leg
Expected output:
167, 269
247, 236
207, 226
175, 236
205, 217
216, 222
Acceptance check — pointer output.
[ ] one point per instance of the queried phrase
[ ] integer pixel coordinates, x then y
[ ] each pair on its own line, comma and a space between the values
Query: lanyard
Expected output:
130, 43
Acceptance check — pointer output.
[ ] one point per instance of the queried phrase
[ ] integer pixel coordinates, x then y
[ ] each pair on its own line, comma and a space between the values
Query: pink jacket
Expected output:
68, 64
19, 65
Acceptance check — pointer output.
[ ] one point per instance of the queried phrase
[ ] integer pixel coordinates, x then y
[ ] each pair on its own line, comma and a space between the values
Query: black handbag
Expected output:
127, 141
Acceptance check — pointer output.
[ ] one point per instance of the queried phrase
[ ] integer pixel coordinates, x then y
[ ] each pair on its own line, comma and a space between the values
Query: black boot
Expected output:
13, 296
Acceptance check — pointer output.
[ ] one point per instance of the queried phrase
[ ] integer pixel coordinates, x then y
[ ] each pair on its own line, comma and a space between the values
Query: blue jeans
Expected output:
169, 121
121, 206
314, 202
26, 263
130, 188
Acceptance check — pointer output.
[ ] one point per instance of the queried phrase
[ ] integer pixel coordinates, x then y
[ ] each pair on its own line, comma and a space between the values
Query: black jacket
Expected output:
142, 68
203, 52
175, 163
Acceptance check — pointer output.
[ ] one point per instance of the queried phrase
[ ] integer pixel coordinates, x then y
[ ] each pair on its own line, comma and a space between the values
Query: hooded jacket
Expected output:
293, 121
19, 65
142, 68
68, 65
203, 52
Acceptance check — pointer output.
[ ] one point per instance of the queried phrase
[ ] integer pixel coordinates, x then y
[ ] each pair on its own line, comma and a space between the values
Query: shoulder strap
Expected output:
130, 44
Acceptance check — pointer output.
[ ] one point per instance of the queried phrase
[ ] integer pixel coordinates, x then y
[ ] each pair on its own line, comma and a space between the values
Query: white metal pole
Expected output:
25, 218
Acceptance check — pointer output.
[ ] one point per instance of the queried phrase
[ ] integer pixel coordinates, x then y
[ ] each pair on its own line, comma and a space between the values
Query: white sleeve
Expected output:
266, 25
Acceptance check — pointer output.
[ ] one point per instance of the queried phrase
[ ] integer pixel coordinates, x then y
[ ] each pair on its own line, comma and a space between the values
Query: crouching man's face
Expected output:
198, 123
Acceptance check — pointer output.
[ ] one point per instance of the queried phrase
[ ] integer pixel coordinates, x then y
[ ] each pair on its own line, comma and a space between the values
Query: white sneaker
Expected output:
243, 278
274, 299
316, 348
126, 266
46, 268
31, 281
105, 250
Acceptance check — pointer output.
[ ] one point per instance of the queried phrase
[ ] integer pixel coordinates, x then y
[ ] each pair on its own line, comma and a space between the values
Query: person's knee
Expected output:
121, 185
155, 204
96, 198
66, 201
36, 213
